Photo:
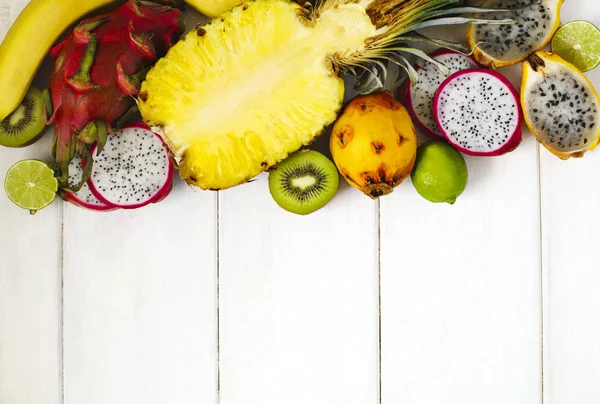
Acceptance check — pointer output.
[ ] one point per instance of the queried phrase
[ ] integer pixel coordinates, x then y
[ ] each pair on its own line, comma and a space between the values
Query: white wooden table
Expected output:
223, 297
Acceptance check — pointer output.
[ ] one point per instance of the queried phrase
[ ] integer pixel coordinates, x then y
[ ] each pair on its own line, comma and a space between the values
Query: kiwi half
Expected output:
27, 122
304, 182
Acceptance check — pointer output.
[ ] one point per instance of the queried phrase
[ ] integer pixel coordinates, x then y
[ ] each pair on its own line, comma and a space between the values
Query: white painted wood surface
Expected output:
225, 298
298, 300
140, 306
30, 284
30, 296
460, 286
570, 233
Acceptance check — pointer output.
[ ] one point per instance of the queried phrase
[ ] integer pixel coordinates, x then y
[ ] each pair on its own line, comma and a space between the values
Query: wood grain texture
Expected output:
140, 303
30, 257
460, 288
298, 300
571, 230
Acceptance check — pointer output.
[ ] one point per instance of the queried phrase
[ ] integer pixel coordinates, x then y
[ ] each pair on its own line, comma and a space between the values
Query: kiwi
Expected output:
27, 122
304, 182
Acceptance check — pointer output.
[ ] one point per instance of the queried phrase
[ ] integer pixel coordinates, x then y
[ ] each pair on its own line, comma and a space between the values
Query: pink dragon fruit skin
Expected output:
98, 70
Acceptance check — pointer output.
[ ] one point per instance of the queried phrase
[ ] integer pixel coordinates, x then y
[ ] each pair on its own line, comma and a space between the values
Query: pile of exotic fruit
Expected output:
138, 101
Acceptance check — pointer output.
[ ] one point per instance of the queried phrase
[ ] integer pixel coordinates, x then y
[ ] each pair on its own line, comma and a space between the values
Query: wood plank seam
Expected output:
539, 174
379, 398
62, 304
218, 296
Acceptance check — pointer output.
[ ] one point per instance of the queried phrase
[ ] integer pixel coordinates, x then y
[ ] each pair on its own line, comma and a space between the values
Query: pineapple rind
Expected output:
239, 95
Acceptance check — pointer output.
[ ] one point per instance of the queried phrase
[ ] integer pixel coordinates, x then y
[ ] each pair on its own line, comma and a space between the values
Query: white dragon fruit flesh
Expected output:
497, 45
419, 96
479, 113
560, 105
133, 170
84, 197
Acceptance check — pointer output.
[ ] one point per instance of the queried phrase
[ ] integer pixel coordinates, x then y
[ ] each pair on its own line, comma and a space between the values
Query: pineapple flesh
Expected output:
238, 95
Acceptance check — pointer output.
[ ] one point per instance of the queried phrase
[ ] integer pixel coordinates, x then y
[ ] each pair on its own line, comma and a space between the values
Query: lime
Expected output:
578, 42
31, 185
440, 172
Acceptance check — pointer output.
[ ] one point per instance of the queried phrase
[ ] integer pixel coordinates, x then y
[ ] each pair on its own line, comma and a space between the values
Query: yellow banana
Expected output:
28, 41
213, 8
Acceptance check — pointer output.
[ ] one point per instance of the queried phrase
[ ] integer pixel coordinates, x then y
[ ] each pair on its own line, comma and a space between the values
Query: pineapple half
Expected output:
238, 95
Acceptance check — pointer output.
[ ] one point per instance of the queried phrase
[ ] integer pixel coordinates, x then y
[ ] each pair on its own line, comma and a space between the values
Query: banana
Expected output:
29, 40
213, 8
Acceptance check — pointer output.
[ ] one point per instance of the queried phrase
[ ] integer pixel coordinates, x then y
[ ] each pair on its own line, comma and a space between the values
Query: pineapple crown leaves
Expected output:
397, 22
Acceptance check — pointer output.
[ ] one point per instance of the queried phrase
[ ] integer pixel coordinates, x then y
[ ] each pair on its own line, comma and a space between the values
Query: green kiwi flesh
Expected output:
27, 122
304, 182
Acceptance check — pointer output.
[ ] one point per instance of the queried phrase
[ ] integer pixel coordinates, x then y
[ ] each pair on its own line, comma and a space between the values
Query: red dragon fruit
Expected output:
97, 72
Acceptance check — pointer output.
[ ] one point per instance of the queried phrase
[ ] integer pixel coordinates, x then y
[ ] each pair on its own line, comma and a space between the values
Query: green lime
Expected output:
440, 172
578, 42
31, 184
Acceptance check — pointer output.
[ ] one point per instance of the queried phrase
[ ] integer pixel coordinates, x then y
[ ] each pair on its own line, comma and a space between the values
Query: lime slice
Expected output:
31, 185
578, 42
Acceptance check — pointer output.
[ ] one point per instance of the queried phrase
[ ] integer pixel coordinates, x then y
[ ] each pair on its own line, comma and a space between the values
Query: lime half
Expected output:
578, 42
31, 185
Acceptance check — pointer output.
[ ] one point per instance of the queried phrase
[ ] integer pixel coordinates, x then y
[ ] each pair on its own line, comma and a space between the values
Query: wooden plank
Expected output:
571, 226
460, 288
140, 300
140, 303
30, 295
30, 292
298, 300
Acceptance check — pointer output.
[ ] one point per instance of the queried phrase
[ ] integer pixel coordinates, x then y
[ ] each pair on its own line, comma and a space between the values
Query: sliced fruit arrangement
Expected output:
26, 123
561, 107
278, 84
497, 45
374, 143
304, 182
31, 185
98, 69
578, 42
238, 96
418, 97
479, 113
133, 170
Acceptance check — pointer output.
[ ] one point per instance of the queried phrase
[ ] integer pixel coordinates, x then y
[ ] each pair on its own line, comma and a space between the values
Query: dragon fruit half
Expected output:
133, 170
479, 113
97, 72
